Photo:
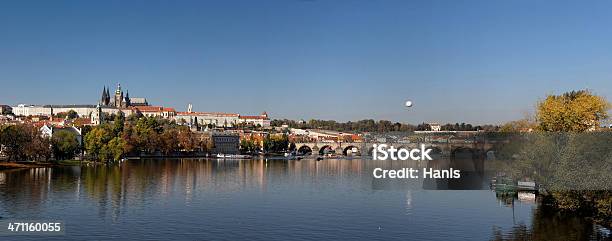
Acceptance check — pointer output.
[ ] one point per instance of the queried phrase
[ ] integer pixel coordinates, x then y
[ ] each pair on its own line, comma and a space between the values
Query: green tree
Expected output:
65, 145
118, 123
115, 149
72, 114
96, 140
14, 138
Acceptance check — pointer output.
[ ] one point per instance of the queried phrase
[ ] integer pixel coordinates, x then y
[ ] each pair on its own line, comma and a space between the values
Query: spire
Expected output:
127, 98
106, 100
103, 95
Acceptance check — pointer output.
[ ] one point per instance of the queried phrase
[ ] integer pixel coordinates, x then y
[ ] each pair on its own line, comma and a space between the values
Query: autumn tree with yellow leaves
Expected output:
575, 111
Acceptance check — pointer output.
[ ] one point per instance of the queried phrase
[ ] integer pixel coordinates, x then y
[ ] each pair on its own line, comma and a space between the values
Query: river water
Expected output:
191, 199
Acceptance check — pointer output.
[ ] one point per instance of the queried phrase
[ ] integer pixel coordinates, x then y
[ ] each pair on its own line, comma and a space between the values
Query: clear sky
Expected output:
459, 61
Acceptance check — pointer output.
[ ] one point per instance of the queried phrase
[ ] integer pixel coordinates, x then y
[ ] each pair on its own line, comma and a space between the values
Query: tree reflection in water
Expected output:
548, 224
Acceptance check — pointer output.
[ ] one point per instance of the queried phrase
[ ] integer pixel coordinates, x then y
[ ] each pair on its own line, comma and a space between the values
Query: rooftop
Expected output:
217, 114
253, 117
154, 109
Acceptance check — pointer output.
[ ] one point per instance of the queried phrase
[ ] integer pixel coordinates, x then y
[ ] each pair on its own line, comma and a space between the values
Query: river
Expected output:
198, 199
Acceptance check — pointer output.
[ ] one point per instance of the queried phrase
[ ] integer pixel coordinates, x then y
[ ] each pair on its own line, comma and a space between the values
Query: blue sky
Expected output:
459, 61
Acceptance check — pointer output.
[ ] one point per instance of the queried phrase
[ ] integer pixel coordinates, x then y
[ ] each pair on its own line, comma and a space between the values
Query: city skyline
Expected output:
475, 62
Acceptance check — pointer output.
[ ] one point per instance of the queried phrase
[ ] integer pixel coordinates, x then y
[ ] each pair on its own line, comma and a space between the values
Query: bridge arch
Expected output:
435, 150
369, 152
351, 151
462, 149
304, 150
326, 149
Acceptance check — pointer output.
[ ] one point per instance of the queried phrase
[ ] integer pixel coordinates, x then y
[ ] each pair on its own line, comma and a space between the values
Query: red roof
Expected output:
220, 114
256, 117
154, 109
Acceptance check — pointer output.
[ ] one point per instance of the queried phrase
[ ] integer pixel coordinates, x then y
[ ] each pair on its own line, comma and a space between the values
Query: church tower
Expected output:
118, 97
97, 117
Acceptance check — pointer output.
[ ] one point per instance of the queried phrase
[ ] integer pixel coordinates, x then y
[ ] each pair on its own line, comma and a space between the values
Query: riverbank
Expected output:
18, 165
21, 165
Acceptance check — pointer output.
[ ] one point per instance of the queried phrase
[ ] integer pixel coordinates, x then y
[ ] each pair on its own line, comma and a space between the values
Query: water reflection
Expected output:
549, 225
332, 198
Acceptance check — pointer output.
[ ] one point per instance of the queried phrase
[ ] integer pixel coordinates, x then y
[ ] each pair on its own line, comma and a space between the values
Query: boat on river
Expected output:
507, 185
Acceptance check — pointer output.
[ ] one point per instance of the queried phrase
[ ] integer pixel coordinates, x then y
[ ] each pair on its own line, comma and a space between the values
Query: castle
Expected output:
119, 100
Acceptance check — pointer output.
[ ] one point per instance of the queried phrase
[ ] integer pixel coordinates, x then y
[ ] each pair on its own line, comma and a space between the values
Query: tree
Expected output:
14, 138
24, 142
168, 141
207, 144
574, 111
39, 147
571, 163
72, 114
118, 123
276, 143
96, 140
247, 146
518, 126
65, 145
186, 139
115, 149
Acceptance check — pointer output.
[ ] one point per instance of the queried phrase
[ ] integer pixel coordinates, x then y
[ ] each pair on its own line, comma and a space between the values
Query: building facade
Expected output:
226, 143
257, 120
219, 119
156, 111
30, 110
215, 119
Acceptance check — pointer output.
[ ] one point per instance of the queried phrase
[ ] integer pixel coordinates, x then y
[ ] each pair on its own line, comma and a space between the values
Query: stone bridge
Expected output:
365, 148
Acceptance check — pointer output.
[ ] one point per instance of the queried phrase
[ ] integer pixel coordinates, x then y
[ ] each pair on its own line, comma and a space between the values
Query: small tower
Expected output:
97, 117
189, 108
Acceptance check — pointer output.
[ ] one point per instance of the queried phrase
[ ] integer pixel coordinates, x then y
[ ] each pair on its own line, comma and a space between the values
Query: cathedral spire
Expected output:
108, 98
103, 99
127, 98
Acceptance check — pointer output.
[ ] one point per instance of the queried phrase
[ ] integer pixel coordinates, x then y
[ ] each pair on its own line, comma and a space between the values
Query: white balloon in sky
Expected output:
408, 103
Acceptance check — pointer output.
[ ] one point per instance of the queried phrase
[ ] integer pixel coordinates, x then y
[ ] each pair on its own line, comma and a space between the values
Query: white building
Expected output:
84, 111
205, 118
257, 120
81, 110
156, 111
435, 127
30, 110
